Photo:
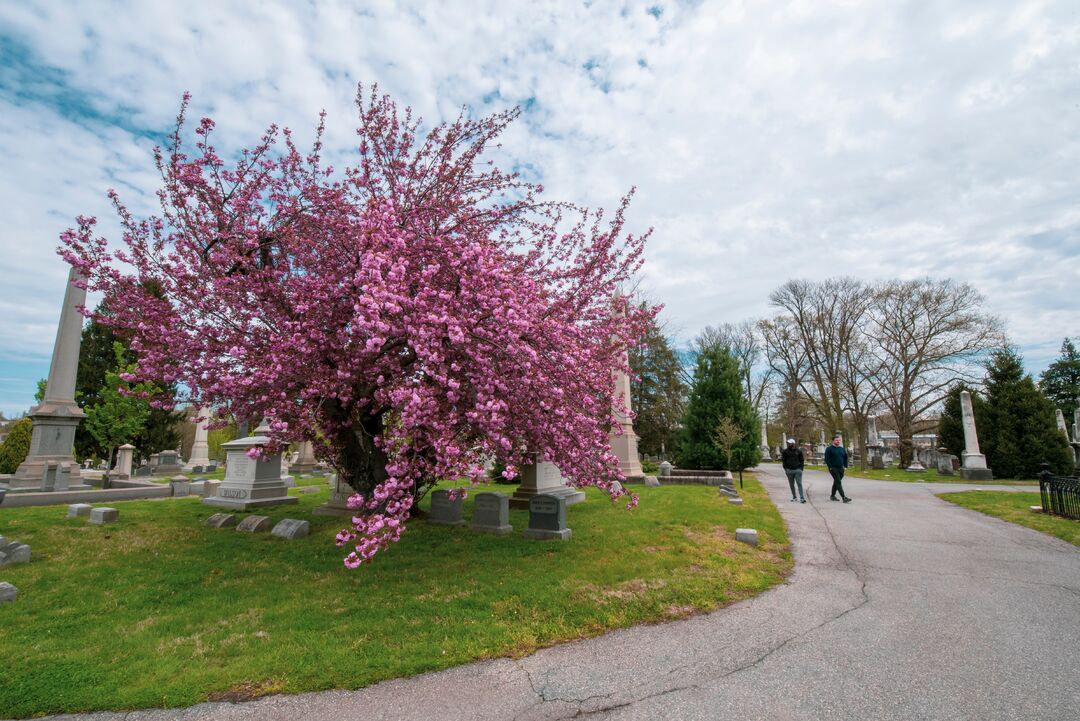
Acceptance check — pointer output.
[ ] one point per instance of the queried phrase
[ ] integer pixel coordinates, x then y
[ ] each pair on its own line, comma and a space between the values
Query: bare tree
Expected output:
743, 342
926, 336
810, 344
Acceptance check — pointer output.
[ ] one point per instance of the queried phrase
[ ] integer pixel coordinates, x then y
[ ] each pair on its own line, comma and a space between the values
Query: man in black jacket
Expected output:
793, 461
836, 461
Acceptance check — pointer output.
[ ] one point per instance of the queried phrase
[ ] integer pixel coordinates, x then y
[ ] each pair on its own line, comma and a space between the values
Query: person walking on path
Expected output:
836, 461
793, 461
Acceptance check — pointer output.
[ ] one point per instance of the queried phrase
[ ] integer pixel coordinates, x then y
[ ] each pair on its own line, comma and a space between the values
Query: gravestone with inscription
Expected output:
250, 483
543, 477
254, 524
491, 513
291, 528
547, 518
446, 511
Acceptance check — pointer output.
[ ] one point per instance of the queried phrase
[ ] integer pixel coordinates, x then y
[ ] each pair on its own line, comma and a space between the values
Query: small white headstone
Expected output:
79, 509
746, 535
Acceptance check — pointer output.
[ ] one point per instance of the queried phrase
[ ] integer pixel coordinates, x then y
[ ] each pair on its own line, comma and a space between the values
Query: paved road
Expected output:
901, 606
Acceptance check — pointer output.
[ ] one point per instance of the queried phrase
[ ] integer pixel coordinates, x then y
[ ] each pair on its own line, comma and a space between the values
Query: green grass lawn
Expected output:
1015, 508
927, 476
158, 610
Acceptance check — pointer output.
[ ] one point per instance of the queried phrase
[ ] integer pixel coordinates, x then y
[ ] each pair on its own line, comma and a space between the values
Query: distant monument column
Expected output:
124, 457
1061, 423
765, 452
973, 466
200, 450
305, 459
874, 448
623, 440
57, 417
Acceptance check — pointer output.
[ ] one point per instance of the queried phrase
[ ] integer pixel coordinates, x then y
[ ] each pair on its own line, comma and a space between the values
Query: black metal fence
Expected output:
1060, 495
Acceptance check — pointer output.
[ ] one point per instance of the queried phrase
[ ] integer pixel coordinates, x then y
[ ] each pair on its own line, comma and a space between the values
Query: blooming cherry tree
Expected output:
411, 315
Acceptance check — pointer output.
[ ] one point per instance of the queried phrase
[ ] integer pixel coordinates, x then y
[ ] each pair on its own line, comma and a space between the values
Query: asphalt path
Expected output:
901, 606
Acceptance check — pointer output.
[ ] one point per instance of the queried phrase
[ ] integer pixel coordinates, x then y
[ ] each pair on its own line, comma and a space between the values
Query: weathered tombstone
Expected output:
652, 482
915, 466
221, 520
211, 467
63, 476
491, 513
291, 529
308, 489
944, 463
76, 510
48, 479
14, 552
305, 458
289, 481
616, 487
102, 515
547, 518
124, 456
250, 483
143, 471
729, 491
446, 511
198, 469
168, 463
338, 503
747, 535
254, 524
665, 470
543, 478
974, 463
735, 501
180, 485
8, 593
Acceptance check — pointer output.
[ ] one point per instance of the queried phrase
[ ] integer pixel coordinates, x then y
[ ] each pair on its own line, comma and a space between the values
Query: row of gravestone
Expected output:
98, 516
491, 514
288, 528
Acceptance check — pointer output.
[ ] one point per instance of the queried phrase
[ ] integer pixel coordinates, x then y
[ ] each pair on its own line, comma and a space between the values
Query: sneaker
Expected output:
793, 499
802, 500
833, 498
847, 499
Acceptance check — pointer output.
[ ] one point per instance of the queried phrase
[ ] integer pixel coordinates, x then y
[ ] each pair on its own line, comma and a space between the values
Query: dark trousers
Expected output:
837, 485
794, 476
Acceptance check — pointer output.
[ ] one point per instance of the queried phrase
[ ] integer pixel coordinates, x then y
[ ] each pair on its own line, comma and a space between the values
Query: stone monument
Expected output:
491, 513
766, 452
1061, 423
543, 477
338, 503
305, 459
622, 438
124, 456
915, 466
874, 446
250, 483
973, 463
200, 449
446, 510
57, 416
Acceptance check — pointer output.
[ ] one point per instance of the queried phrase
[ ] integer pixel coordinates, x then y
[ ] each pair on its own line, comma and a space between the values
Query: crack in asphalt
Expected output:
947, 574
846, 563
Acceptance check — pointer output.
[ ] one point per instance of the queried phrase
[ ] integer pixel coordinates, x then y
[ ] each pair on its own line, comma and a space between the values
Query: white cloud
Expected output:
767, 140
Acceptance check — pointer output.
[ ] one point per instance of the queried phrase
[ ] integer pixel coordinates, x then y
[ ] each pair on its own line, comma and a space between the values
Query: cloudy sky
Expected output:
768, 140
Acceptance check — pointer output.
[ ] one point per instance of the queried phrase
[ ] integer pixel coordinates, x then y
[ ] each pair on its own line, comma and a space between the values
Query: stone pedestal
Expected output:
915, 466
543, 478
622, 438
124, 456
166, 463
250, 483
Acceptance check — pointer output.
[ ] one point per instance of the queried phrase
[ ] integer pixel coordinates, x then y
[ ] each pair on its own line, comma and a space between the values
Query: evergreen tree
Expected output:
1061, 379
1020, 431
17, 444
120, 412
657, 393
97, 357
717, 392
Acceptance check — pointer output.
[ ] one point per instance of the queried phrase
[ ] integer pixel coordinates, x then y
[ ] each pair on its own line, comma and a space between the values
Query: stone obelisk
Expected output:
200, 449
973, 464
622, 438
57, 416
766, 453
1062, 426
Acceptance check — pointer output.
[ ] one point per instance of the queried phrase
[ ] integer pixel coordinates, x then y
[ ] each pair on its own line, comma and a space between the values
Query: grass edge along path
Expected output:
1015, 507
928, 476
159, 611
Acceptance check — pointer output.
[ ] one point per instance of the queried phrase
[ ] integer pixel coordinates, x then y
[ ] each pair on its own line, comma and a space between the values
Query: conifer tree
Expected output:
717, 392
1061, 379
1019, 432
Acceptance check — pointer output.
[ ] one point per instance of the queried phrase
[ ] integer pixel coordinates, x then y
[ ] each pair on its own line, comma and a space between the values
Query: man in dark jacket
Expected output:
836, 461
793, 461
